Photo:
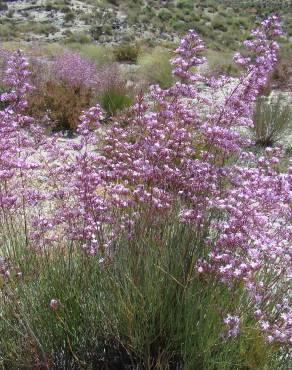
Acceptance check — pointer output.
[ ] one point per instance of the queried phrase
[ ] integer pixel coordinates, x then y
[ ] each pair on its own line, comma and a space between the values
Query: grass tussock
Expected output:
156, 68
101, 55
272, 121
112, 315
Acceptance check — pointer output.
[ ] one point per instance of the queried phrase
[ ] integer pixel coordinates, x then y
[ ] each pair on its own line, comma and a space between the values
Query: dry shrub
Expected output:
62, 89
280, 78
61, 103
282, 74
126, 52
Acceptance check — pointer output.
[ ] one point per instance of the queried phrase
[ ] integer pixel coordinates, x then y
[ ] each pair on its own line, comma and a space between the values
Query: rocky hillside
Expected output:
221, 23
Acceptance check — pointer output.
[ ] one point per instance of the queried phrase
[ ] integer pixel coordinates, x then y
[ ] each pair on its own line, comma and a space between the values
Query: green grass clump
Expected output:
114, 99
114, 95
145, 308
155, 67
222, 62
126, 52
101, 55
272, 121
7, 32
219, 23
185, 4
78, 37
164, 14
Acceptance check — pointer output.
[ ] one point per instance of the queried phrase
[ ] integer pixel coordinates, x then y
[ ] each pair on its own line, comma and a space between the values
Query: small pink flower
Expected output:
270, 339
54, 304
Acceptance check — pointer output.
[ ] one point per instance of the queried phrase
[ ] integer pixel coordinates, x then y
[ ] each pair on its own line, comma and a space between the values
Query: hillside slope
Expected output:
221, 23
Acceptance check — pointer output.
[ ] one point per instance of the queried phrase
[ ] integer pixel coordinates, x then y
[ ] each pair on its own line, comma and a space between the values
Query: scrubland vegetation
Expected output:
159, 236
128, 31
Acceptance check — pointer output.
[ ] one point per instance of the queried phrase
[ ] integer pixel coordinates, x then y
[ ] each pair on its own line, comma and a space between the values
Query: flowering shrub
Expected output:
176, 154
72, 68
16, 80
67, 85
181, 157
61, 103
71, 84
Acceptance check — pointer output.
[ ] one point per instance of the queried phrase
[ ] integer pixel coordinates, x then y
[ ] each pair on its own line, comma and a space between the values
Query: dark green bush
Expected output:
126, 52
78, 37
185, 4
179, 25
164, 14
114, 2
69, 17
96, 31
114, 99
219, 24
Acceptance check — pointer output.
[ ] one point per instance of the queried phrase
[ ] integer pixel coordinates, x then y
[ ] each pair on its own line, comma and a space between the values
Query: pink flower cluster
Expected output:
232, 324
180, 148
16, 81
188, 56
75, 70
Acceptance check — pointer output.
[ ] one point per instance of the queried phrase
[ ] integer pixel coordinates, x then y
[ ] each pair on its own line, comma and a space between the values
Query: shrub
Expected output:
164, 14
61, 102
272, 121
96, 31
179, 25
65, 9
100, 55
155, 67
242, 22
126, 52
222, 63
74, 69
113, 96
69, 17
202, 29
64, 90
281, 77
148, 11
168, 247
78, 37
185, 4
50, 7
219, 24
